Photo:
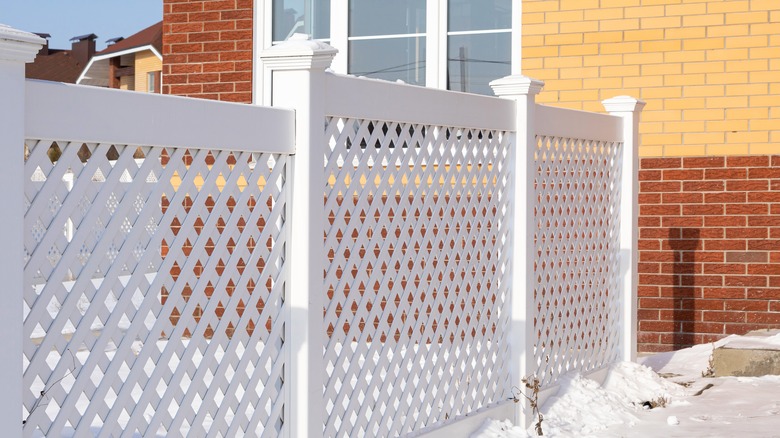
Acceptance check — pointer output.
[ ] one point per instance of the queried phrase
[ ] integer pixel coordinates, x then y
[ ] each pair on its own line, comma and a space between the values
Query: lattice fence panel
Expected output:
154, 291
576, 291
417, 240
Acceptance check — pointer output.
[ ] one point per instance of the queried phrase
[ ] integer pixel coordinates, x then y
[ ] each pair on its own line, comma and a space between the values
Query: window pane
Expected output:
479, 15
475, 60
390, 59
385, 17
293, 16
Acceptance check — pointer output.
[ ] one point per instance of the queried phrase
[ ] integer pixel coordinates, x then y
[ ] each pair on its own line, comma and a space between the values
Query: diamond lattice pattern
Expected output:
154, 291
576, 295
417, 274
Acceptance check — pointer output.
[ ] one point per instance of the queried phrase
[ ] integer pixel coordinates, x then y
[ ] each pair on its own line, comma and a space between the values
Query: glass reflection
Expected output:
475, 60
390, 59
295, 16
385, 17
466, 15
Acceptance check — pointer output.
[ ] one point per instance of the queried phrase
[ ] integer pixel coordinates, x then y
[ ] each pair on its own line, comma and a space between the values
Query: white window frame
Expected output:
435, 42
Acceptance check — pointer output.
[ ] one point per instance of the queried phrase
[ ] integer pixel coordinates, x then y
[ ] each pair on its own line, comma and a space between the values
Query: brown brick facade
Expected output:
709, 248
207, 49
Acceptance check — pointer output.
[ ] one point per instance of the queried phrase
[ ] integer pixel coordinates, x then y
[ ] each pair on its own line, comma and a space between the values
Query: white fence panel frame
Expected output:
391, 106
374, 99
611, 140
568, 123
578, 164
207, 173
98, 115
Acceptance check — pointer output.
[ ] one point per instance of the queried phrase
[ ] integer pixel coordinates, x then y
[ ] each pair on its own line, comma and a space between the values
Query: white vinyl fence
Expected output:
161, 309
375, 260
417, 272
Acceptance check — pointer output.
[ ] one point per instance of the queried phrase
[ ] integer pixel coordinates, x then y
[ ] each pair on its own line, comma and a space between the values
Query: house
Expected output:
132, 63
62, 65
211, 47
709, 235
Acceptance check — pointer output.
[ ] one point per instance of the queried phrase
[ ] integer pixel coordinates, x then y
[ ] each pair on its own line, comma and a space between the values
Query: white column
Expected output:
436, 44
263, 38
523, 91
517, 38
339, 34
298, 80
629, 109
16, 49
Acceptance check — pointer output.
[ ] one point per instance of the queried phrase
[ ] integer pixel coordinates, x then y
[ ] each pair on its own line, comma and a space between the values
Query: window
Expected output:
479, 15
301, 16
457, 44
387, 39
153, 79
479, 43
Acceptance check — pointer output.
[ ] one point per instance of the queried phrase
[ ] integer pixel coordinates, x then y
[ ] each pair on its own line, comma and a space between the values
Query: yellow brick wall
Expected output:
145, 62
126, 83
708, 70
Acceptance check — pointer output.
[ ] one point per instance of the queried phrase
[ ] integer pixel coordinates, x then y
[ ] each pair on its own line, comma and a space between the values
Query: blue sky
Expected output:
64, 19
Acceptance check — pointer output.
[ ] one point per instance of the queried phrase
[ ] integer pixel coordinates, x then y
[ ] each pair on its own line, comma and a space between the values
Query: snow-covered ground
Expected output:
696, 406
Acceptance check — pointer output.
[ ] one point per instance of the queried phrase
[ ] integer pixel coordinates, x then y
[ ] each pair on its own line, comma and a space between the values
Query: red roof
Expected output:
151, 36
58, 65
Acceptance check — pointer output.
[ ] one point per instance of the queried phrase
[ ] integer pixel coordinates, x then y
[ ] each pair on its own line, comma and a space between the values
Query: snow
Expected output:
694, 405
574, 411
756, 342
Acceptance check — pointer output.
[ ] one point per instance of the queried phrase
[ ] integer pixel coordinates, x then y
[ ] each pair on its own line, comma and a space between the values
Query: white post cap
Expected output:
623, 104
516, 85
18, 45
300, 52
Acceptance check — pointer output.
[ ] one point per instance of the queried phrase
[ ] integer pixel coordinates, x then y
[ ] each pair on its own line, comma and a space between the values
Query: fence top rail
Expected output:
374, 99
57, 111
569, 123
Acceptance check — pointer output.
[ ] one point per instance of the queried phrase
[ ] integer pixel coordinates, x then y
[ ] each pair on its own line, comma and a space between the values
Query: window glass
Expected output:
386, 17
475, 60
465, 15
295, 16
389, 58
153, 81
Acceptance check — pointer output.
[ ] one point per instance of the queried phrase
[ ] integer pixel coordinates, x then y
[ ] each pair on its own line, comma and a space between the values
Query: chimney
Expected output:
45, 49
82, 48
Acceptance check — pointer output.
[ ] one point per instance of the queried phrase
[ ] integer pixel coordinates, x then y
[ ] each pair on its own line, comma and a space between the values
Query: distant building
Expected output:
62, 65
132, 63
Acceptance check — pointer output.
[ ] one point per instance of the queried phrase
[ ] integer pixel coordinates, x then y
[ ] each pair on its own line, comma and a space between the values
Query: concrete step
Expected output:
756, 354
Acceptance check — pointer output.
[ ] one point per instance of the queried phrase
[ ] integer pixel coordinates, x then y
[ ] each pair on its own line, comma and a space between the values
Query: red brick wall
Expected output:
207, 49
709, 249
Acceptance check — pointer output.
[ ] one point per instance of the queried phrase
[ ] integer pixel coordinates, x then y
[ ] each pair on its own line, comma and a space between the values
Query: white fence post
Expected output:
298, 77
628, 108
522, 90
16, 49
